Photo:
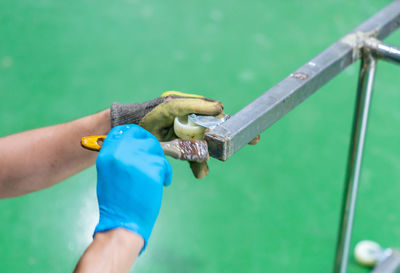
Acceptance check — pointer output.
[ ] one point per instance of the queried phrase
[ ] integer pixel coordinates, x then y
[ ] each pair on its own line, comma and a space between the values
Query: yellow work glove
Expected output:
157, 116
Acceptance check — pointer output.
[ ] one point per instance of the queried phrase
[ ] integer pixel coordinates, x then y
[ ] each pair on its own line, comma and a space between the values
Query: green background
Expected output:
273, 207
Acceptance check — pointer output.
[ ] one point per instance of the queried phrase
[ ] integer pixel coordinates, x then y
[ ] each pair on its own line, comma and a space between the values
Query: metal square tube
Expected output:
227, 138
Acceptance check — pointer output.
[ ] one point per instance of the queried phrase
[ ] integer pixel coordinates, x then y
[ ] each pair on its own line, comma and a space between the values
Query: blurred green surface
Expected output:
270, 208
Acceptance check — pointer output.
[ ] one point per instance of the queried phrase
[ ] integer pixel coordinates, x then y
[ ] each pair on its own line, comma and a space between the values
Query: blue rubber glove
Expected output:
131, 172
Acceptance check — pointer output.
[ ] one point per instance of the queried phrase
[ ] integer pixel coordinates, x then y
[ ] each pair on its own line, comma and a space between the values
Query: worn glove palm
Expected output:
131, 172
157, 116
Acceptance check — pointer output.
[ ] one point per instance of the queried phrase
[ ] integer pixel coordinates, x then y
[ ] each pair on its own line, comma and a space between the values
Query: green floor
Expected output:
270, 208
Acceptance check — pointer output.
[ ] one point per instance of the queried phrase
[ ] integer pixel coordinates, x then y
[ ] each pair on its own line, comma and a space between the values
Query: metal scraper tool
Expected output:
207, 121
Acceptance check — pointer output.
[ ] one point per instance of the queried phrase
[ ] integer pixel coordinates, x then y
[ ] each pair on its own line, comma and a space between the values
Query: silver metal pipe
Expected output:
383, 51
364, 93
227, 138
391, 264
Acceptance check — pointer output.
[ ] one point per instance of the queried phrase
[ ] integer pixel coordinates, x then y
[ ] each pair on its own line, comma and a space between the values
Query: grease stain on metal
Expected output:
299, 75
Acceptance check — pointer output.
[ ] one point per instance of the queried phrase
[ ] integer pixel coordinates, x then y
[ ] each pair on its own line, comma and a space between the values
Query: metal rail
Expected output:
383, 51
241, 128
364, 93
227, 138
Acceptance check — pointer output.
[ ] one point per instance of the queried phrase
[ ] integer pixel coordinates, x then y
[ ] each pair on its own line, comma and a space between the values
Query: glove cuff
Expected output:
121, 114
104, 226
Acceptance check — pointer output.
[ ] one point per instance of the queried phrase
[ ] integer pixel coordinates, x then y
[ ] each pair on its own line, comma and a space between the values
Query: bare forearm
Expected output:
111, 251
40, 158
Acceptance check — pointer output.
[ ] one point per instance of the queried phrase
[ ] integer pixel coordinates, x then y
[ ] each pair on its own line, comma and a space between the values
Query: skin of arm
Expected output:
111, 251
40, 158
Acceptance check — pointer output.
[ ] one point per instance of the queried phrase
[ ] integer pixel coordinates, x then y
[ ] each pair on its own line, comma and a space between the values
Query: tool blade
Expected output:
207, 121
